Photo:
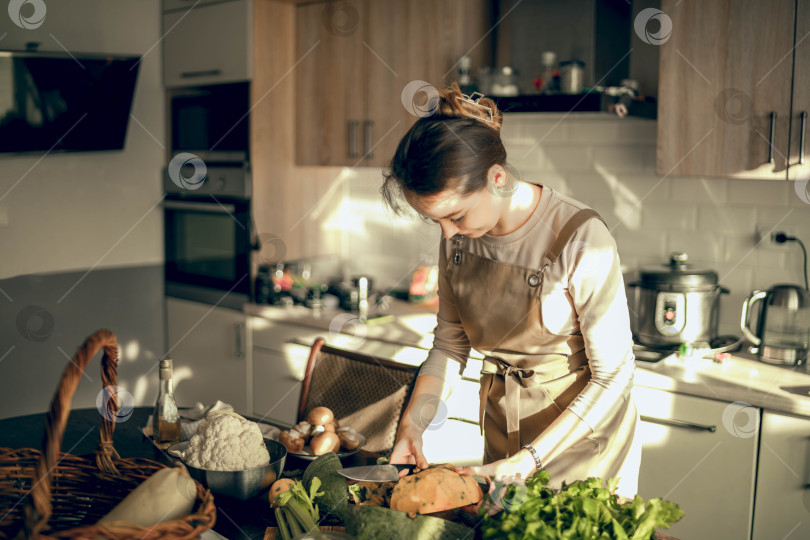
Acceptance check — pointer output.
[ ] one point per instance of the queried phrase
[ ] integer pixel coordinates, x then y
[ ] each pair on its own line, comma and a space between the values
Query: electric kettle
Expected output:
783, 327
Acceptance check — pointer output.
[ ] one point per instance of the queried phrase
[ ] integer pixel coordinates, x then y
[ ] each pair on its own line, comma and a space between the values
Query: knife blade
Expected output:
376, 473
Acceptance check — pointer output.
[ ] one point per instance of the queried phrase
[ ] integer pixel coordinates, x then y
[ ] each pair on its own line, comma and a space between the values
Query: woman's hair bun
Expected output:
453, 103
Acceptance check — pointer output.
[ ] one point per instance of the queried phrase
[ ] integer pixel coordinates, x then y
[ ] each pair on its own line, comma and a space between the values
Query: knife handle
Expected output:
404, 467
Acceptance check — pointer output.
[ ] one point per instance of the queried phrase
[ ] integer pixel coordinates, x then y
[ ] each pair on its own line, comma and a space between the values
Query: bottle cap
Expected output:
165, 372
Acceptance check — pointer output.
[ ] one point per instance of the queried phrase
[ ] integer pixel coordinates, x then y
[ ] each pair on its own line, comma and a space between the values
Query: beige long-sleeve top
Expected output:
588, 296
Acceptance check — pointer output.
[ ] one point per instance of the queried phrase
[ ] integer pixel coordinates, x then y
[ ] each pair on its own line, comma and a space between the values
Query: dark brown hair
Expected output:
453, 148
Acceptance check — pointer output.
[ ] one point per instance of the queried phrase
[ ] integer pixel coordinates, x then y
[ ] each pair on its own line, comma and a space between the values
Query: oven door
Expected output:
208, 250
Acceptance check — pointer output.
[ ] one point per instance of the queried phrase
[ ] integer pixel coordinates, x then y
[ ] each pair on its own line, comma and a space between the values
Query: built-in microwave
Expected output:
209, 237
211, 122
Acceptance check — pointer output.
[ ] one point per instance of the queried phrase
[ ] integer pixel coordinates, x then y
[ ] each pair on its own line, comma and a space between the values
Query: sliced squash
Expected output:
435, 489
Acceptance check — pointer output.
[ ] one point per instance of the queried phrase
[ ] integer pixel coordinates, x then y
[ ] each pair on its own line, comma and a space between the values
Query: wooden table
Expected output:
236, 519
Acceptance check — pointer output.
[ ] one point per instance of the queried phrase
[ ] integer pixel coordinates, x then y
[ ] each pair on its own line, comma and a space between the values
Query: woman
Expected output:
531, 279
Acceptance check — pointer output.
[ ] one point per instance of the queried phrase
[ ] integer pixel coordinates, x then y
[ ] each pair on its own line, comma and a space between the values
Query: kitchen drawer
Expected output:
272, 335
709, 474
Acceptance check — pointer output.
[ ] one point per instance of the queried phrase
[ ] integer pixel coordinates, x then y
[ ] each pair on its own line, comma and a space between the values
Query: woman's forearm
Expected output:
428, 392
565, 431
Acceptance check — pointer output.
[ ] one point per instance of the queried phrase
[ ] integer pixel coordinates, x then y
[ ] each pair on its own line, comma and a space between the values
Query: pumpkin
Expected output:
435, 489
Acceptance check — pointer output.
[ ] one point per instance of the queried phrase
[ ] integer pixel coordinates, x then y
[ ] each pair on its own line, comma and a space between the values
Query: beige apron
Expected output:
530, 374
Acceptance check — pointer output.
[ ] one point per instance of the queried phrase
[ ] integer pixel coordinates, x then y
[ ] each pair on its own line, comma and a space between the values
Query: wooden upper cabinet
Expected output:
725, 89
330, 80
393, 43
801, 96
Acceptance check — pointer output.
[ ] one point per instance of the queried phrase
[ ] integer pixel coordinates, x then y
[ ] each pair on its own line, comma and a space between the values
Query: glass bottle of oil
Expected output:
166, 419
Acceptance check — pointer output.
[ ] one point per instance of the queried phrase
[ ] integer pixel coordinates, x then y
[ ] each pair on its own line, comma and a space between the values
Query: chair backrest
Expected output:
366, 393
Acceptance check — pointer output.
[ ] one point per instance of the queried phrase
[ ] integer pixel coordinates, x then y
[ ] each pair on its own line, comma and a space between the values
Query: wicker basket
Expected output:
50, 494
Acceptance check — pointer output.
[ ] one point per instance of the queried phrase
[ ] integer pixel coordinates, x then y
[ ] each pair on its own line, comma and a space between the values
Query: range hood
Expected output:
65, 102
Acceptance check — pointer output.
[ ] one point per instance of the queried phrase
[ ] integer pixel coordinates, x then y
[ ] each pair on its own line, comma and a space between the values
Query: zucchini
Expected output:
380, 523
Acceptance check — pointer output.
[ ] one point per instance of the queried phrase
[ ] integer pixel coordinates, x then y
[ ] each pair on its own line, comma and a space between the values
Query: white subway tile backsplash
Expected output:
636, 130
726, 219
740, 250
799, 194
699, 190
759, 192
614, 158
597, 130
543, 129
703, 249
737, 280
666, 217
568, 157
647, 247
765, 276
644, 188
796, 218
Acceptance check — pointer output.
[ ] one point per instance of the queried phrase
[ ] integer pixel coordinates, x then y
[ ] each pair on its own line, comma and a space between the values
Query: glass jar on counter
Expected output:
504, 82
571, 76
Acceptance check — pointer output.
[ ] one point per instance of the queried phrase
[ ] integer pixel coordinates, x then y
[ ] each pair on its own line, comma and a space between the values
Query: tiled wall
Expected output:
609, 163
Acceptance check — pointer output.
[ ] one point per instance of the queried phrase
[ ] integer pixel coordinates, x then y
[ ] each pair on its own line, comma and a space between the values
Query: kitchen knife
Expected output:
390, 473
376, 473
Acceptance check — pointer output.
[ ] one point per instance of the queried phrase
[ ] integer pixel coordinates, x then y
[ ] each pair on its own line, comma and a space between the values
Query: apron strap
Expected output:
568, 231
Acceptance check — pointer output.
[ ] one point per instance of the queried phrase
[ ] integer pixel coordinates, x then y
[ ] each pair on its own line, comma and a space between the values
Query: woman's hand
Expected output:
519, 466
408, 449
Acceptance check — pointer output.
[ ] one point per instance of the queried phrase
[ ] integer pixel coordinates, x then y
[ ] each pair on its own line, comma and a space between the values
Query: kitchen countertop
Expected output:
740, 377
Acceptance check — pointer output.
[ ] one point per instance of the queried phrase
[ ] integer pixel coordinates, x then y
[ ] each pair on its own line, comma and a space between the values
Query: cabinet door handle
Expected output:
240, 349
771, 136
369, 138
203, 73
678, 423
353, 139
803, 117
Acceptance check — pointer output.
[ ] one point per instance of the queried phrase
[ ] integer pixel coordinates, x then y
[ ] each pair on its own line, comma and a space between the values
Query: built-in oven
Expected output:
209, 236
211, 122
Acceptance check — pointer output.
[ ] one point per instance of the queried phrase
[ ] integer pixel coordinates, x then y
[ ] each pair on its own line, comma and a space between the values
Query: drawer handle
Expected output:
678, 423
803, 117
770, 137
204, 73
369, 139
352, 139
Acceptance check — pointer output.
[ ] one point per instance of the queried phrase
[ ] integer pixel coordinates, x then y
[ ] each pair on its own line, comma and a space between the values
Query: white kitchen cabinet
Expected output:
209, 44
277, 377
208, 347
782, 507
702, 455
